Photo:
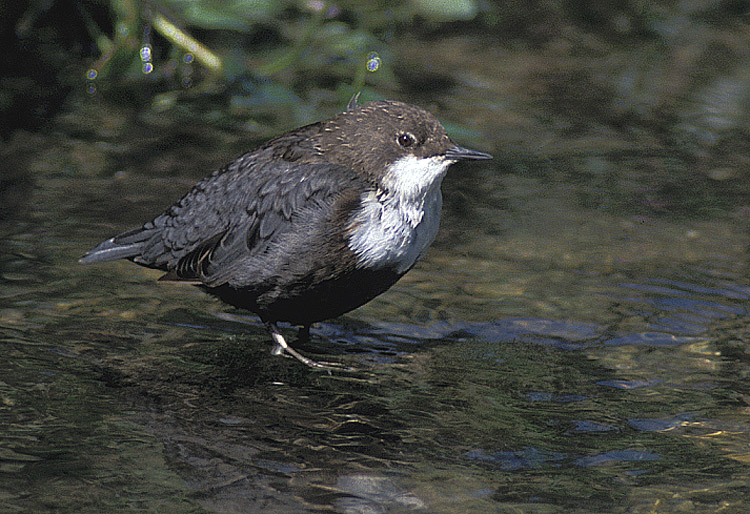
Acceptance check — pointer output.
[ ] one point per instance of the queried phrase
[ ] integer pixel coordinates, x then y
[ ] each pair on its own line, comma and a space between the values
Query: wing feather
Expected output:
246, 244
228, 218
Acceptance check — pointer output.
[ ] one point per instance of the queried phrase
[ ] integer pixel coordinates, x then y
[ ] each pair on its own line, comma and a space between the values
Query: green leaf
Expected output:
447, 10
237, 15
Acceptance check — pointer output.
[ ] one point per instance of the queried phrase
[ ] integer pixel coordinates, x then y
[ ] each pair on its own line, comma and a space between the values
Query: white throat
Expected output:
394, 226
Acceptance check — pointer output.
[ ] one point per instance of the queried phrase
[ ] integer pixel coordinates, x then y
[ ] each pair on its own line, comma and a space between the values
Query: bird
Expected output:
309, 225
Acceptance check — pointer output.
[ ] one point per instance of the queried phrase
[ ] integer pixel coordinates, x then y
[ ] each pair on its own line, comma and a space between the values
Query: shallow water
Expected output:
545, 357
571, 343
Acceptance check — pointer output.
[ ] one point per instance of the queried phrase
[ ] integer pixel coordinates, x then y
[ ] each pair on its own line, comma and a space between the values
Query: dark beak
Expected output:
457, 153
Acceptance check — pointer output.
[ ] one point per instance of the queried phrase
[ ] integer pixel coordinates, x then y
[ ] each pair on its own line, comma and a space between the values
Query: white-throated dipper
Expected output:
310, 225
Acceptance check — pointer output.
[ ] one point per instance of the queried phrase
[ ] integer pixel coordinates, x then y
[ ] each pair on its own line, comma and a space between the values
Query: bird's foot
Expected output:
281, 347
321, 365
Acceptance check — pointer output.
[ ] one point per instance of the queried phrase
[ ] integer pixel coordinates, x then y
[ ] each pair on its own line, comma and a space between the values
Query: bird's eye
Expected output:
406, 139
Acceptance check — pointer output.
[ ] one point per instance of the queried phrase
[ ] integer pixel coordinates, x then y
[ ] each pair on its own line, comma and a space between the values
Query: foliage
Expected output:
257, 50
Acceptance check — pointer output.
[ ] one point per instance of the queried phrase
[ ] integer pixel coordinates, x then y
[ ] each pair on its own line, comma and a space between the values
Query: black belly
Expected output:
305, 301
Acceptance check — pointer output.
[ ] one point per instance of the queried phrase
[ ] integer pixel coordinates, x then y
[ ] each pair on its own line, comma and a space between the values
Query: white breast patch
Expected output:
394, 227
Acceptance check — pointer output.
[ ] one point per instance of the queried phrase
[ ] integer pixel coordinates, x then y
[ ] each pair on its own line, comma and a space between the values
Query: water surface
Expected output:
573, 342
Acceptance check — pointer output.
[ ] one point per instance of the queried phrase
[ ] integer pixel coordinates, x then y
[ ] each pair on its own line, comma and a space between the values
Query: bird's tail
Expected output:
125, 246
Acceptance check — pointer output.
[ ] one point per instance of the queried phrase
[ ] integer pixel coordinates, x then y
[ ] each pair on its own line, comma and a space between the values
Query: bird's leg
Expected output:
279, 344
281, 347
303, 335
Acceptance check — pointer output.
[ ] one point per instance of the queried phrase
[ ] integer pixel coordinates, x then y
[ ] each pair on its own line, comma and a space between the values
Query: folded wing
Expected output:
231, 219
